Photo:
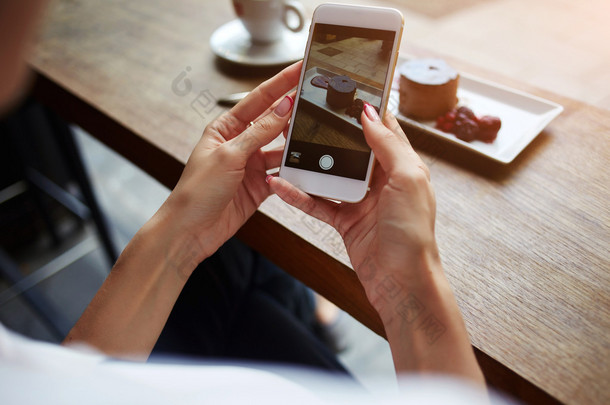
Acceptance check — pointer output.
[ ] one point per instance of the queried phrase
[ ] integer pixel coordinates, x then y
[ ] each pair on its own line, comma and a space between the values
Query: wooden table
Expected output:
525, 246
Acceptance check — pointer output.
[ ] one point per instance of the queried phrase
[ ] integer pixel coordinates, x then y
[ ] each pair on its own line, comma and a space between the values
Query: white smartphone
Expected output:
349, 60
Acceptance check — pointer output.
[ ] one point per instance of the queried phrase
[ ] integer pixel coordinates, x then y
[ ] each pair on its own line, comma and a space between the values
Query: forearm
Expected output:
18, 21
127, 315
423, 323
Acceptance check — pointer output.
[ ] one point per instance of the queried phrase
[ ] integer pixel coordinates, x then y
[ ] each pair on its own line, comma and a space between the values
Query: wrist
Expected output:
394, 287
175, 245
415, 305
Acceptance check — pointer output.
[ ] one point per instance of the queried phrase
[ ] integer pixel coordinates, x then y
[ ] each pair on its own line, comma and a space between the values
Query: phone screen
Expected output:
346, 67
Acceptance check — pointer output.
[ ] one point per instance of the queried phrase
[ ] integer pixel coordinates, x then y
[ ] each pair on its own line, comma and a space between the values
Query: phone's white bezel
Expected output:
327, 185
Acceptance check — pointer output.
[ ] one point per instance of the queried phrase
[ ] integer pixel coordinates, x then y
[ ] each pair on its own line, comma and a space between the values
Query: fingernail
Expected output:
284, 107
370, 112
268, 178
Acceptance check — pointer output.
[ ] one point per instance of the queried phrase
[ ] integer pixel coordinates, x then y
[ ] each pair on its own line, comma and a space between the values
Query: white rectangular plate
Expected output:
523, 116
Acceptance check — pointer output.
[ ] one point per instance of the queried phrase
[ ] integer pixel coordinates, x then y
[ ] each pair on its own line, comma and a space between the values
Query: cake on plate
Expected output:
428, 88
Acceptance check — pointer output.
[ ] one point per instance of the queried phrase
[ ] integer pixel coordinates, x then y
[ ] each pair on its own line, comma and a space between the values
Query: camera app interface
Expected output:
347, 66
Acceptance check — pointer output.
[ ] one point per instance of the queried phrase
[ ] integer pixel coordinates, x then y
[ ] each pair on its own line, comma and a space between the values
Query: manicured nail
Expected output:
370, 112
268, 178
284, 107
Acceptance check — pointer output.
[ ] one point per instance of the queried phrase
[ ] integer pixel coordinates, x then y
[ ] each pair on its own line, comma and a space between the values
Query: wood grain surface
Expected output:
525, 246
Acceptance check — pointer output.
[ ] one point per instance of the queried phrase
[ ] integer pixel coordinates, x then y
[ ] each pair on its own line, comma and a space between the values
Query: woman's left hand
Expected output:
223, 182
222, 185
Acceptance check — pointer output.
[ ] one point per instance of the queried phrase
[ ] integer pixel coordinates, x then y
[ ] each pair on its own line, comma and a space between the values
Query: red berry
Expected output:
467, 126
466, 129
440, 121
467, 113
489, 123
448, 127
487, 136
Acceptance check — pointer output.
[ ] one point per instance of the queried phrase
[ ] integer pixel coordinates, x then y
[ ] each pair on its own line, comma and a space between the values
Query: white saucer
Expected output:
232, 42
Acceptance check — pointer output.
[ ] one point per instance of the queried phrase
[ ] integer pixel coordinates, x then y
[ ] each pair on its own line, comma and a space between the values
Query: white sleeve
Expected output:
36, 372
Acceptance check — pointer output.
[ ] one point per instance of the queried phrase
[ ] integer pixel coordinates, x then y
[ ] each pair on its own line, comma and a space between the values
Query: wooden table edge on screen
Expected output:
323, 273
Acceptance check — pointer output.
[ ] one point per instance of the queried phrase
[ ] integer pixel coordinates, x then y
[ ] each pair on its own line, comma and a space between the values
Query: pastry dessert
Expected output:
341, 92
428, 88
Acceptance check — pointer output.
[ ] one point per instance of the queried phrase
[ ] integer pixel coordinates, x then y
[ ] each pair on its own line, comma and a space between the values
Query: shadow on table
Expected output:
236, 70
433, 149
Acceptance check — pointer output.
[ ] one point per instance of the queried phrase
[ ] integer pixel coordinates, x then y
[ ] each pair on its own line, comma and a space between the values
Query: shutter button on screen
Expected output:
326, 162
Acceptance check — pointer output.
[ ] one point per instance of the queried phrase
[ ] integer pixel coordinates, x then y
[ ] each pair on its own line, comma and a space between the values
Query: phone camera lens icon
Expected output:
326, 162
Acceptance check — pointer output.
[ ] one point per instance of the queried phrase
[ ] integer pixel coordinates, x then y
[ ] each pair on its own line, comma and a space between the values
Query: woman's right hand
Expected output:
391, 243
393, 226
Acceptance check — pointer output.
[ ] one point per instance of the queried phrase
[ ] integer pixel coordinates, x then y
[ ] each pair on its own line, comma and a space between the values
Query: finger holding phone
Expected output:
223, 181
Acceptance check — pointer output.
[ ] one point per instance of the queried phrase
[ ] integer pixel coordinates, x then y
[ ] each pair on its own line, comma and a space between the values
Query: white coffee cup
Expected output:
266, 20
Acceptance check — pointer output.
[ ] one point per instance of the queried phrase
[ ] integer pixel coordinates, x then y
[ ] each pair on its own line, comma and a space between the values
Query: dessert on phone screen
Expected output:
349, 61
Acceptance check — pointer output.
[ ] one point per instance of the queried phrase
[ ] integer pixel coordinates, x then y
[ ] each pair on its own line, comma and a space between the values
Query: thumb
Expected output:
390, 147
265, 129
